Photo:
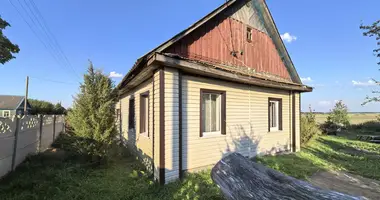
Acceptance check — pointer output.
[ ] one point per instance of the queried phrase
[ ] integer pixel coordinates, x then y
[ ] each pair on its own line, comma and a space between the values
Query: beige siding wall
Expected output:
298, 120
141, 144
246, 122
171, 125
156, 135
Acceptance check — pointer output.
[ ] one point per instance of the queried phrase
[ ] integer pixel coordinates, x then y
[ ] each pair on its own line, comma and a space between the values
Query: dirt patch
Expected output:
347, 183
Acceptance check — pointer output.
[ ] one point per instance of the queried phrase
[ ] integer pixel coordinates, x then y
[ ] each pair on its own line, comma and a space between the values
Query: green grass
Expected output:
68, 175
329, 153
73, 177
355, 118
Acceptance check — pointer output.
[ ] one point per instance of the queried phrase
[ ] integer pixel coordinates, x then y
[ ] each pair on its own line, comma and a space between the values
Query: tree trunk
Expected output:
239, 178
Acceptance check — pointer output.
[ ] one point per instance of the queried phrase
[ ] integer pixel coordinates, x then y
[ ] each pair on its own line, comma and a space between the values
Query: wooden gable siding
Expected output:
214, 41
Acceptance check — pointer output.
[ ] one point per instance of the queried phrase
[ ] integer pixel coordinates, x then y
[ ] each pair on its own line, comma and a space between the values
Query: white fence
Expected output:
27, 135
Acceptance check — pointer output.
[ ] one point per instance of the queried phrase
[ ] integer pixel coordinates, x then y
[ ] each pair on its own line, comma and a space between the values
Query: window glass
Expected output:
144, 102
274, 115
211, 112
131, 117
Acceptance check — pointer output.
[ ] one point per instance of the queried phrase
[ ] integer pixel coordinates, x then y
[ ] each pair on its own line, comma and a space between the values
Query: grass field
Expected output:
355, 118
329, 153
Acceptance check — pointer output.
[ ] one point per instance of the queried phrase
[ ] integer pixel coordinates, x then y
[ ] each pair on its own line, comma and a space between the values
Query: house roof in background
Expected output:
10, 102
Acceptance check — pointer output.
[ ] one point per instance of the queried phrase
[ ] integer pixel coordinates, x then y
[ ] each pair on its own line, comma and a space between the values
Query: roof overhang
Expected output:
204, 69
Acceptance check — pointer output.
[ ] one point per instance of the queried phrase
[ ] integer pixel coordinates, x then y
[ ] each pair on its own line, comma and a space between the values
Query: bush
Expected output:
309, 127
92, 117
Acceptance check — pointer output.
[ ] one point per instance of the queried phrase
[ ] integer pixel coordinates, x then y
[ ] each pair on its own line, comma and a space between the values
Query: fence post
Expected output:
15, 143
40, 118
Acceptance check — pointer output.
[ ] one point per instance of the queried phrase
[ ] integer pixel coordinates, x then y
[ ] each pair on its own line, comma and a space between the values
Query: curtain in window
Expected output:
211, 112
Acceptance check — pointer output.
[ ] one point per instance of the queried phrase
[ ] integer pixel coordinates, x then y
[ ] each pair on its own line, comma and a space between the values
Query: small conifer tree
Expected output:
92, 116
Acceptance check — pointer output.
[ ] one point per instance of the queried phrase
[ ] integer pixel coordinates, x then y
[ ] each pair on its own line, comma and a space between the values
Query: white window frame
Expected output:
219, 106
276, 111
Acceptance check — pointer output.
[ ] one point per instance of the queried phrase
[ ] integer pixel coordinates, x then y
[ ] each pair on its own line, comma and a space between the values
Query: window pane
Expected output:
206, 112
274, 115
143, 114
146, 113
131, 122
211, 112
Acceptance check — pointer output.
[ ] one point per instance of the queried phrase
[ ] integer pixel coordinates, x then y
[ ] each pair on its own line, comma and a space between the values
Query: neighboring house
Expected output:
12, 105
225, 84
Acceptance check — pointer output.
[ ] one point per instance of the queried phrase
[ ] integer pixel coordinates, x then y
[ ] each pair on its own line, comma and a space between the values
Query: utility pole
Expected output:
26, 95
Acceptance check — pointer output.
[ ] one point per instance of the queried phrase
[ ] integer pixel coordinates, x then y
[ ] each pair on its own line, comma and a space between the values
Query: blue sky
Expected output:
323, 39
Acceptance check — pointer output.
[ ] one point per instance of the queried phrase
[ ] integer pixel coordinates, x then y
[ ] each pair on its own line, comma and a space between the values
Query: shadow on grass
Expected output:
346, 157
291, 164
63, 173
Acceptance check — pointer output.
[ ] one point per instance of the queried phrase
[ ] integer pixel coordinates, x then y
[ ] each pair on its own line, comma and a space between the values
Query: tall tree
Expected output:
93, 113
373, 30
7, 48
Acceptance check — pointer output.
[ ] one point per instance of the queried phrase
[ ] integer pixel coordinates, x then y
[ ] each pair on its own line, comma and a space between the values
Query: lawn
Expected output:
329, 153
63, 175
67, 175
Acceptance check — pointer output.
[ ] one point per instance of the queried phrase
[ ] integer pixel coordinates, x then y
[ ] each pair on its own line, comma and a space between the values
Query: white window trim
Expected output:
276, 128
215, 133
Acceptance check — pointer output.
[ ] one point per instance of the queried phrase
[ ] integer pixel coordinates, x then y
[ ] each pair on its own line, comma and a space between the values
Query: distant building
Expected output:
12, 105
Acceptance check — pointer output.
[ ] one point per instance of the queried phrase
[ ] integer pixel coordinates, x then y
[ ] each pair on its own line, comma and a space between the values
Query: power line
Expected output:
53, 81
55, 41
55, 54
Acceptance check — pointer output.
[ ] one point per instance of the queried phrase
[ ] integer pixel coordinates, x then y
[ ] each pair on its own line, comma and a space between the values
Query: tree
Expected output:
339, 114
45, 108
59, 109
92, 116
373, 31
7, 48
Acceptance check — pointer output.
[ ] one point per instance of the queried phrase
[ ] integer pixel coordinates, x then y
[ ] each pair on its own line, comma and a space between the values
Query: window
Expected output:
6, 113
274, 114
144, 113
131, 117
212, 112
249, 34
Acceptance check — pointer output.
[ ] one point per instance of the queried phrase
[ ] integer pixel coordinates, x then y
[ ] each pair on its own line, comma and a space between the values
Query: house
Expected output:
12, 105
225, 84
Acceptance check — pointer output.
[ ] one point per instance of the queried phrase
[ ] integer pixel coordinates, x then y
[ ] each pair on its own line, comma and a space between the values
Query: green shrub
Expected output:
309, 127
92, 117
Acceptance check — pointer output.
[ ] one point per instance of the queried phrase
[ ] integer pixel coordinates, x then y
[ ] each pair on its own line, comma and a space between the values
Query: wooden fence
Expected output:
26, 135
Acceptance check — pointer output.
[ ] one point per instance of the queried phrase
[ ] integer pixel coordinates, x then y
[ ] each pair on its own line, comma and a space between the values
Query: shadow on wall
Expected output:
133, 137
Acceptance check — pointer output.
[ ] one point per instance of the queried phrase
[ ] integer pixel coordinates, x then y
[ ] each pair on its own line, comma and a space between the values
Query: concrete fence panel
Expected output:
27, 135
27, 138
47, 131
7, 138
59, 125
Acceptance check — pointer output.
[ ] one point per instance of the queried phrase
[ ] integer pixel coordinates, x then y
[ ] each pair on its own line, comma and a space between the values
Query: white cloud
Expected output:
368, 83
325, 103
306, 80
288, 38
115, 75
